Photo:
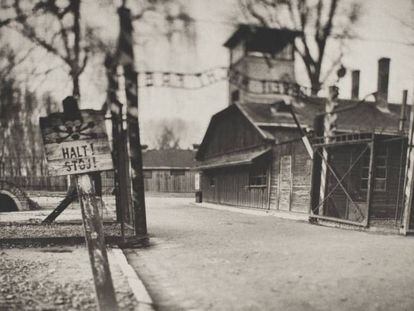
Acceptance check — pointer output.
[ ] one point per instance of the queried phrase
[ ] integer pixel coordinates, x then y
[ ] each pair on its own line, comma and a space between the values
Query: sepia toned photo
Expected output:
207, 155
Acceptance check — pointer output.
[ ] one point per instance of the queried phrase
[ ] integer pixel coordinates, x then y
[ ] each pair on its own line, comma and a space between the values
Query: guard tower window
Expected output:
235, 96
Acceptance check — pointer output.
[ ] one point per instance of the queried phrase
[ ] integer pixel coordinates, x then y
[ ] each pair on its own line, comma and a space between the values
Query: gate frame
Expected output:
367, 138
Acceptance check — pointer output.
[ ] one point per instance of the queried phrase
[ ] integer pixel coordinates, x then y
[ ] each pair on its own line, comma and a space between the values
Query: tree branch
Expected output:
326, 32
84, 63
292, 15
29, 32
65, 39
318, 19
333, 66
250, 8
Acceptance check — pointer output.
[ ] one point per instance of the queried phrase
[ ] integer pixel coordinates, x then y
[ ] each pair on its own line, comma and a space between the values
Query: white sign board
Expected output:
197, 181
76, 146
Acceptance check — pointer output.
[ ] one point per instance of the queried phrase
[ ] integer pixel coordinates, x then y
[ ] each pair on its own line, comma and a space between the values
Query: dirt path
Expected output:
204, 259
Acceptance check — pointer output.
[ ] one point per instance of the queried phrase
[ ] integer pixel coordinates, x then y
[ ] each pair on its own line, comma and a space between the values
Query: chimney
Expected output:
279, 107
403, 117
382, 86
355, 84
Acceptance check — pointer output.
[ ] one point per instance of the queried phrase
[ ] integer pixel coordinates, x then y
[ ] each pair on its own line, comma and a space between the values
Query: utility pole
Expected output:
329, 129
65, 131
126, 59
409, 180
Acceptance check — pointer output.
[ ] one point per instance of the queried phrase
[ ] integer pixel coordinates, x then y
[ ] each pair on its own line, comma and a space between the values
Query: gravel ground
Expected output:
13, 231
27, 224
54, 278
203, 259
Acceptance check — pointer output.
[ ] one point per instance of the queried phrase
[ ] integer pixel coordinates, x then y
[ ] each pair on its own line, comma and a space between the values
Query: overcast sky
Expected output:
380, 28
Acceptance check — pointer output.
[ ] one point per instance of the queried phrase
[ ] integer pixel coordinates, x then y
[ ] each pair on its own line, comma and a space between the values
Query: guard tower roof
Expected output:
262, 39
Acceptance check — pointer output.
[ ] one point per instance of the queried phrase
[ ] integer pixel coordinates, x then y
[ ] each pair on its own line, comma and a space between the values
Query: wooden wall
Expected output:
291, 178
231, 187
159, 180
164, 181
236, 133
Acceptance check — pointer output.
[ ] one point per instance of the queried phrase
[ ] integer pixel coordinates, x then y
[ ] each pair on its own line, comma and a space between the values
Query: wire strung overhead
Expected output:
208, 77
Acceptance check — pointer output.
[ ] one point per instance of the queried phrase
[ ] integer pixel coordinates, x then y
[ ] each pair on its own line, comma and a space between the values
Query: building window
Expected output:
147, 174
235, 96
212, 182
177, 172
257, 176
380, 170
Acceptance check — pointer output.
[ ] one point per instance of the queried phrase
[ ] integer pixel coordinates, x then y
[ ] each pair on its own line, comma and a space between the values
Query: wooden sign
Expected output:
76, 145
197, 181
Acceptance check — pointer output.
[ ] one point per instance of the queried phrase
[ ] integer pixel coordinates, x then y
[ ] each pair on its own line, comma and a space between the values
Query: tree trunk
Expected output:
315, 85
76, 46
76, 88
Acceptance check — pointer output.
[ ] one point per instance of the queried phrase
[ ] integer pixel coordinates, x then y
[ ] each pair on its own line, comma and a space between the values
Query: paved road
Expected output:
204, 259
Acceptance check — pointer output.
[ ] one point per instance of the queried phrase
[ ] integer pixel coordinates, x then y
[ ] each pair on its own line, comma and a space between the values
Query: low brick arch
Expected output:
9, 202
19, 197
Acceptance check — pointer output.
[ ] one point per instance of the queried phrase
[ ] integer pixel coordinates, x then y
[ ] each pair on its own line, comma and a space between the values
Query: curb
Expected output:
255, 212
47, 241
135, 283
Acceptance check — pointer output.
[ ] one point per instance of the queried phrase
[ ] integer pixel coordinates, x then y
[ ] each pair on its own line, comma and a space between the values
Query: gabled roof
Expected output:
356, 116
168, 158
360, 116
261, 39
235, 108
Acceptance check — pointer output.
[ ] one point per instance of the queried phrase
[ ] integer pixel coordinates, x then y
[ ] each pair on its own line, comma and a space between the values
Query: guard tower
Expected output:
260, 53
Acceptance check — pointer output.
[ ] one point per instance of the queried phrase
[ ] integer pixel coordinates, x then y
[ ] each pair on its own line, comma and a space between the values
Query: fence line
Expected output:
12, 170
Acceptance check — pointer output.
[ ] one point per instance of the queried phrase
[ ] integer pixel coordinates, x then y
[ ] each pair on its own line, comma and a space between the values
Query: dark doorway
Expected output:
7, 204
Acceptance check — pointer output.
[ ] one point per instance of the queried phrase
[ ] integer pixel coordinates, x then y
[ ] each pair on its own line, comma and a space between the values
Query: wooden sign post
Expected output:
76, 143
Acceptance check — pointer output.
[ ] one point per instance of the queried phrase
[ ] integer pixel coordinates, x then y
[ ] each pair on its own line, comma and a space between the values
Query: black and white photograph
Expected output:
168, 155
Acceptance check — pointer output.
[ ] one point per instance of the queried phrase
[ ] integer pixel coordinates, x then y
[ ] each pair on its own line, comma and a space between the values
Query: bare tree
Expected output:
56, 27
317, 21
9, 107
8, 87
172, 14
168, 138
